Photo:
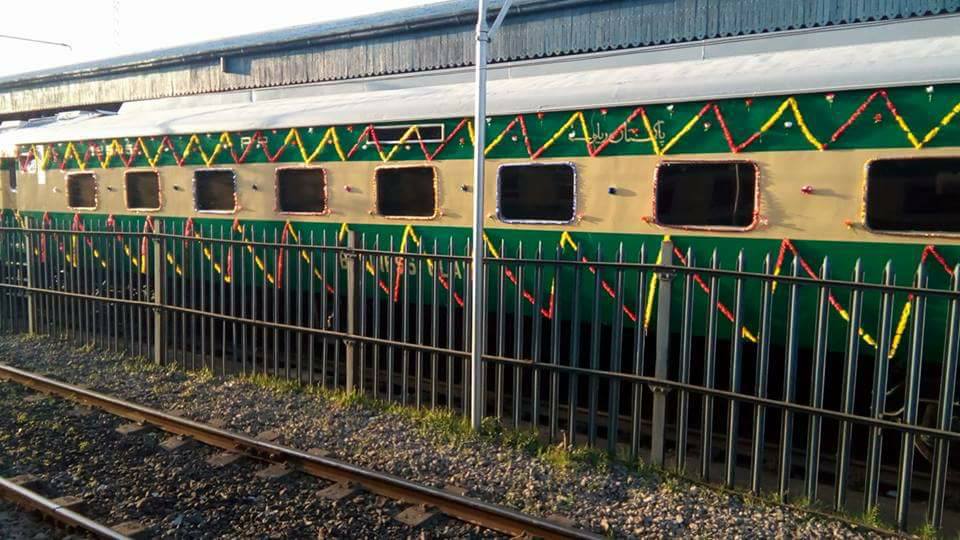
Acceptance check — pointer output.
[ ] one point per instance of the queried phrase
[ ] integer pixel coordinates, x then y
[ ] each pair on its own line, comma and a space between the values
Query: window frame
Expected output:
276, 190
724, 228
864, 195
96, 190
436, 192
236, 194
576, 193
126, 200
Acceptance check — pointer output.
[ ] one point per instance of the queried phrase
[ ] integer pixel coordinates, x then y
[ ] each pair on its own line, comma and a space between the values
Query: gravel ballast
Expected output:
18, 524
177, 494
609, 499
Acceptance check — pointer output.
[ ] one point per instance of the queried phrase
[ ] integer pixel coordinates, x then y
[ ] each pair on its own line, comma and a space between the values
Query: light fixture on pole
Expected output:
477, 292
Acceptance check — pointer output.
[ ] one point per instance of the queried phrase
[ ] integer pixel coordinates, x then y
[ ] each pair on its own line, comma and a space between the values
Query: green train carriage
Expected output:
848, 152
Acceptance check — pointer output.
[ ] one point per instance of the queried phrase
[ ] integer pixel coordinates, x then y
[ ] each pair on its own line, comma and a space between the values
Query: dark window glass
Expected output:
914, 194
143, 190
393, 134
706, 194
11, 168
406, 192
537, 192
301, 190
215, 190
82, 190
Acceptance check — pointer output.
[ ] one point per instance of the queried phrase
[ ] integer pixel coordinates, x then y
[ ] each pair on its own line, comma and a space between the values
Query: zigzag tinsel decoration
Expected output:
844, 120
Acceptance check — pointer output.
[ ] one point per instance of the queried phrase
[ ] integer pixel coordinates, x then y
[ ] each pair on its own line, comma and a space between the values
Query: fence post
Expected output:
353, 309
31, 305
159, 339
661, 368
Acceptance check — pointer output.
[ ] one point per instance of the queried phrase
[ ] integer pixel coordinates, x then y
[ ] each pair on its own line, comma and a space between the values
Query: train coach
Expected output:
768, 146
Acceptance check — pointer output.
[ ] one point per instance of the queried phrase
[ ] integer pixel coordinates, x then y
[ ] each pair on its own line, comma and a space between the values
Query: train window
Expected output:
537, 193
215, 190
429, 133
142, 190
918, 194
82, 191
409, 192
718, 194
301, 190
11, 168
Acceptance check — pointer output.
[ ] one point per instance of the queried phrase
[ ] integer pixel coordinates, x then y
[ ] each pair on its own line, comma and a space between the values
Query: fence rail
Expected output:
765, 379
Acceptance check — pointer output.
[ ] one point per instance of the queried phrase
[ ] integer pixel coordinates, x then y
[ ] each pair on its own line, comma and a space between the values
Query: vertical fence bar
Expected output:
451, 342
789, 388
536, 344
595, 341
498, 388
686, 342
158, 312
572, 386
434, 321
639, 356
31, 299
555, 334
616, 349
709, 375
312, 304
391, 324
762, 374
912, 401
945, 405
226, 285
466, 340
335, 316
361, 262
817, 386
466, 365
518, 341
353, 309
662, 367
418, 369
849, 389
404, 278
324, 344
736, 368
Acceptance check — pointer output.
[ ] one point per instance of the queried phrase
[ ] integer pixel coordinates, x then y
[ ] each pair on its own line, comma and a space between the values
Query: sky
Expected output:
104, 28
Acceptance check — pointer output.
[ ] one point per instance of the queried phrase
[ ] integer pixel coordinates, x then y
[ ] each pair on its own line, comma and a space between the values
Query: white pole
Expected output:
477, 293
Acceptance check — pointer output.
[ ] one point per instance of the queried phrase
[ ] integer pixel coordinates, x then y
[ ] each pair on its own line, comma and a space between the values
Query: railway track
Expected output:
55, 510
454, 505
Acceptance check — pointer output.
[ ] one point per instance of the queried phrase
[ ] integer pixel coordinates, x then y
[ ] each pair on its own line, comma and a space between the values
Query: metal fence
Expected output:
647, 354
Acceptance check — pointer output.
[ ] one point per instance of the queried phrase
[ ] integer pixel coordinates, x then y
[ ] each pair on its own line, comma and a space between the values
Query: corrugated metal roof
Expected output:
431, 37
912, 53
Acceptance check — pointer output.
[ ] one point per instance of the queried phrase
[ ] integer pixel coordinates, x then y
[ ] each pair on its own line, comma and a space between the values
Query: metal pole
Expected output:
159, 339
353, 309
662, 366
477, 297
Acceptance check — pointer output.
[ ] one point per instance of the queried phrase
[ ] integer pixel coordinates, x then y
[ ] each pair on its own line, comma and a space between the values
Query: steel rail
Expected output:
470, 510
33, 501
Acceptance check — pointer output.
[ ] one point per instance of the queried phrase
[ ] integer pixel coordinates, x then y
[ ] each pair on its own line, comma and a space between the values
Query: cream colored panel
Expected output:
836, 177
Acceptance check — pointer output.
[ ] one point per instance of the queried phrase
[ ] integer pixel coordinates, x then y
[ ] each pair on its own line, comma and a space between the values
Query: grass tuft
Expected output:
927, 532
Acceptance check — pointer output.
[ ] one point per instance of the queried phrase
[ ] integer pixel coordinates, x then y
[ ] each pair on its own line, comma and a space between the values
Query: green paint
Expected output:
823, 114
